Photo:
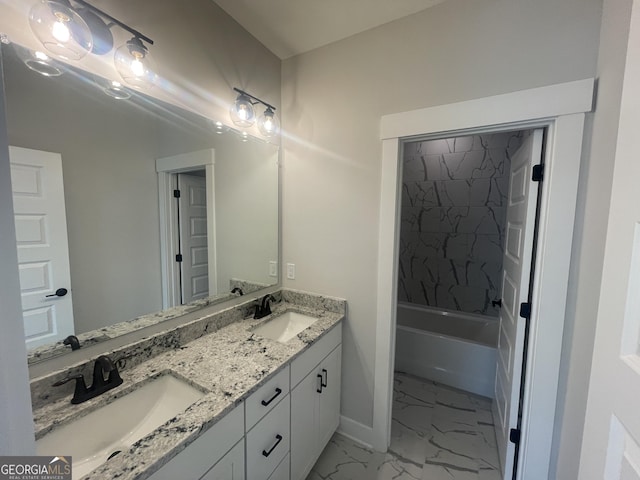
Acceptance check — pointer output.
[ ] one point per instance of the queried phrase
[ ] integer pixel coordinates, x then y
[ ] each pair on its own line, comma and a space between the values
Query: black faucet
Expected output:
99, 386
264, 308
237, 290
72, 341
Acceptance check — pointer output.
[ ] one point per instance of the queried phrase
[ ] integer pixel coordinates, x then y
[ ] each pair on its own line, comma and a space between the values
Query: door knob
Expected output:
496, 303
61, 292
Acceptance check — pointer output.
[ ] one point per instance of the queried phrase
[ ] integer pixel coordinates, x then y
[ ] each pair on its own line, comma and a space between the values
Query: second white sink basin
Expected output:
93, 438
286, 326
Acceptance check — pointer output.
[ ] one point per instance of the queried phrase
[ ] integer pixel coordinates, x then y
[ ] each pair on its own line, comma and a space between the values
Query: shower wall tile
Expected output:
454, 198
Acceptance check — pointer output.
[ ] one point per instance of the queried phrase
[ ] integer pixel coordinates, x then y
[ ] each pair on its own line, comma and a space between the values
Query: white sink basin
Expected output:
91, 439
286, 326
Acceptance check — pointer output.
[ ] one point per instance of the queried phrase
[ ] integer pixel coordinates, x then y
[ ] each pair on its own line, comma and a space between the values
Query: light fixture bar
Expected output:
257, 100
124, 26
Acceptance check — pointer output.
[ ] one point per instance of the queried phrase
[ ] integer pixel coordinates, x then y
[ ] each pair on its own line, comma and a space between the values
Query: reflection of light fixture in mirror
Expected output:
134, 64
113, 88
268, 124
243, 115
117, 91
39, 62
220, 128
60, 29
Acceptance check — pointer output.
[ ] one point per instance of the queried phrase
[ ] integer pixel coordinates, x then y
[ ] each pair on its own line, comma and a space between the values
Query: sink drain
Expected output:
114, 454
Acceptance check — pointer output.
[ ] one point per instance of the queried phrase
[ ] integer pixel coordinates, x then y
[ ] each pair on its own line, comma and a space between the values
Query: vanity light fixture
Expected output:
243, 114
72, 32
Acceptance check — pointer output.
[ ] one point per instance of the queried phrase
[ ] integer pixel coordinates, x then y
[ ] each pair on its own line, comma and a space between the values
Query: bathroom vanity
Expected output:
267, 407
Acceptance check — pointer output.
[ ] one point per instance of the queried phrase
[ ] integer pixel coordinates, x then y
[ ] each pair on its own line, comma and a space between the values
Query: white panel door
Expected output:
43, 250
193, 237
515, 289
611, 441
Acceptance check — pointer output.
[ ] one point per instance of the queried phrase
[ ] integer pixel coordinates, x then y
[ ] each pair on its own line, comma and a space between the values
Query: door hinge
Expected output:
525, 310
537, 173
176, 193
514, 436
179, 257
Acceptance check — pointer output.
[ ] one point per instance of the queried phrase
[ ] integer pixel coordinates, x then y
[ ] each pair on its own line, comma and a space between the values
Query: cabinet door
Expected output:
329, 418
282, 470
304, 425
230, 467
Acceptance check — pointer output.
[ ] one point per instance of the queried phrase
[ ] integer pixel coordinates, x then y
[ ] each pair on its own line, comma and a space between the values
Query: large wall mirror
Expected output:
102, 172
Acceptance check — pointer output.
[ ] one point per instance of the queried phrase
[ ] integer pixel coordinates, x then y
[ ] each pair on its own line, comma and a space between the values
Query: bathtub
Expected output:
454, 348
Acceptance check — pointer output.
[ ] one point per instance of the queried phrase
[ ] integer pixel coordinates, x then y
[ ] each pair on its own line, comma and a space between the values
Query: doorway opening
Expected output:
560, 110
186, 188
465, 260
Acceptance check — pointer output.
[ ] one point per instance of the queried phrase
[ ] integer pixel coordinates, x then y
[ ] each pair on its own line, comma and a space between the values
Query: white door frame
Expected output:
560, 108
166, 167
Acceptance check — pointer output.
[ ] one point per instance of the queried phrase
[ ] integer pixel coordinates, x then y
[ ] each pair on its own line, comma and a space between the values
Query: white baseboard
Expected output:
356, 431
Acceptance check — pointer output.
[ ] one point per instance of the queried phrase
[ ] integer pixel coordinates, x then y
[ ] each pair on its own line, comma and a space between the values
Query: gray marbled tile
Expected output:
453, 193
420, 194
438, 433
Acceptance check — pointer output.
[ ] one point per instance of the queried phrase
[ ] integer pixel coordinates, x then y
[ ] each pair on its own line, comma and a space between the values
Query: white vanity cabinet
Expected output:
315, 401
216, 454
279, 431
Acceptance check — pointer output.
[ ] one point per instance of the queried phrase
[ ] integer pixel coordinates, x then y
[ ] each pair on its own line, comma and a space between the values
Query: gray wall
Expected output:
333, 98
454, 198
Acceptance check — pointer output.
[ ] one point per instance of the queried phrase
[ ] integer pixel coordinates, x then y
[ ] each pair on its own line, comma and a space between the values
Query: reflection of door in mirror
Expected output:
191, 201
43, 252
187, 225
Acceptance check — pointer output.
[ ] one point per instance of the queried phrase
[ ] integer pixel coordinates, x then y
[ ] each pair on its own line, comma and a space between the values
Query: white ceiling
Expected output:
291, 27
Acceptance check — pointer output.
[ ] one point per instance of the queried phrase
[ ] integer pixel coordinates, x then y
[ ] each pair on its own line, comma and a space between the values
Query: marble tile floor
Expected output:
438, 433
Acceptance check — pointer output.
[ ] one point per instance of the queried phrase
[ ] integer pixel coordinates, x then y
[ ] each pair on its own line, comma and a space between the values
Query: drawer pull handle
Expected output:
326, 375
319, 389
278, 440
267, 402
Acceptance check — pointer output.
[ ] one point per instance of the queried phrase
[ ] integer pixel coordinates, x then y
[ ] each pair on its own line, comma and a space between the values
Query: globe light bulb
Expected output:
60, 29
134, 64
268, 123
241, 111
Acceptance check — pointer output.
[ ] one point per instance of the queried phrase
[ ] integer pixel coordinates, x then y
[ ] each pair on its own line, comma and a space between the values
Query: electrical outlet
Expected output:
273, 268
291, 271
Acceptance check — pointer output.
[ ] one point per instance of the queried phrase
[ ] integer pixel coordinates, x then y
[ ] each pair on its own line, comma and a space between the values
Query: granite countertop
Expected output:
228, 364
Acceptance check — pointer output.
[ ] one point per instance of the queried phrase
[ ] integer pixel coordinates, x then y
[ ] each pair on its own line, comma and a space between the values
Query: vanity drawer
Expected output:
268, 442
206, 450
306, 362
266, 398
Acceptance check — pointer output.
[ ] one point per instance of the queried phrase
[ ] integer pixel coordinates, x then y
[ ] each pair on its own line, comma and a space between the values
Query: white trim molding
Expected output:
356, 431
560, 109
